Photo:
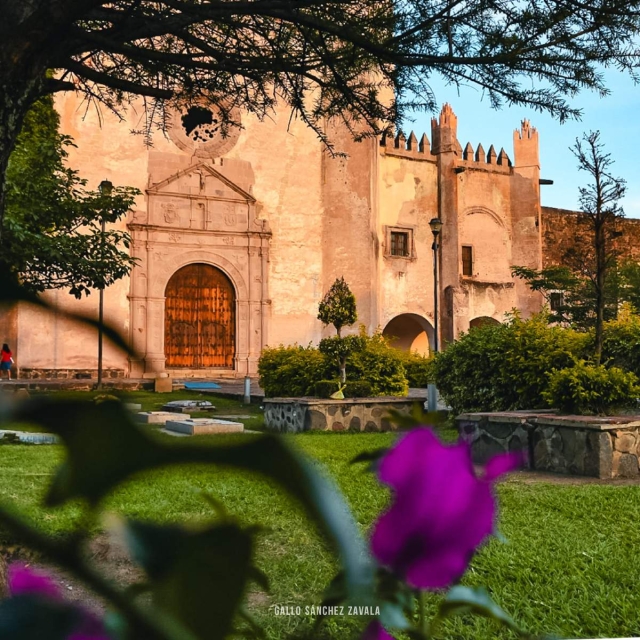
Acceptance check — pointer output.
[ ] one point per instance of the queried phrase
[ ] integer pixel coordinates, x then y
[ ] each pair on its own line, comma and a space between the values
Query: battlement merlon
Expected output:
444, 131
526, 146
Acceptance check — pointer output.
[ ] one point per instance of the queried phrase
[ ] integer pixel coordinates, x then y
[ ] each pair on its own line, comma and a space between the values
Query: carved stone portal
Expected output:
230, 239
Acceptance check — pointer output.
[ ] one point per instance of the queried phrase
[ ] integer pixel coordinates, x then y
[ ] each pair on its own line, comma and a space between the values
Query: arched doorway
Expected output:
482, 321
410, 332
199, 319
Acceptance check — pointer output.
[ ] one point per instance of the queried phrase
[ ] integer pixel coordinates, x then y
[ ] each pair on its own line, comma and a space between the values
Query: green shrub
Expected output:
373, 369
418, 369
621, 341
358, 389
379, 365
324, 388
291, 371
586, 388
353, 388
504, 367
468, 372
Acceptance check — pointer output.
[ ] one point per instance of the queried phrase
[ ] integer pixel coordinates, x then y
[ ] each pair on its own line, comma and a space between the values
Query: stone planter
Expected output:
292, 415
606, 447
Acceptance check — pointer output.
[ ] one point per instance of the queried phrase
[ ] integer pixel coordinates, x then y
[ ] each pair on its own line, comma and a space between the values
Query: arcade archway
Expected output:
410, 332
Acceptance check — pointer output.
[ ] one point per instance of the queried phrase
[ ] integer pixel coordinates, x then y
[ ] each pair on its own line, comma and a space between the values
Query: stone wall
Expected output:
293, 415
68, 374
576, 445
560, 228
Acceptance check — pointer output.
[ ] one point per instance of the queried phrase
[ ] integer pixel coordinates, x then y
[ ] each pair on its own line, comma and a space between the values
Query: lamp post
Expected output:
436, 228
105, 188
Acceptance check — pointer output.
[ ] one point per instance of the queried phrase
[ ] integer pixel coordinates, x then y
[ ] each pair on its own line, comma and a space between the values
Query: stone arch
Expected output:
477, 209
200, 319
481, 321
166, 268
410, 332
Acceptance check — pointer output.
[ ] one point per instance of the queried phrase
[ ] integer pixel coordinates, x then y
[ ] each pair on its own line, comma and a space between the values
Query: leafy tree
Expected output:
587, 276
53, 236
323, 59
338, 307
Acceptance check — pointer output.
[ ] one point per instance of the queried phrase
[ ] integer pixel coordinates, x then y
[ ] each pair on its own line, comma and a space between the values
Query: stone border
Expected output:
601, 447
294, 415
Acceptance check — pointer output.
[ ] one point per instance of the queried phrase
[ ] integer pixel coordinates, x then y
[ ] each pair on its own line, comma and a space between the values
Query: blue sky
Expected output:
617, 117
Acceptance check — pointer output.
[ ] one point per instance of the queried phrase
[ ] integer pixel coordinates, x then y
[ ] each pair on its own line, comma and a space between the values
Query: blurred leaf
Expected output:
370, 456
392, 596
105, 447
197, 577
26, 617
417, 417
476, 600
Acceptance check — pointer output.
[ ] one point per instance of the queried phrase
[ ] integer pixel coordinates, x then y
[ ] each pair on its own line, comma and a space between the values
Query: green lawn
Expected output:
569, 566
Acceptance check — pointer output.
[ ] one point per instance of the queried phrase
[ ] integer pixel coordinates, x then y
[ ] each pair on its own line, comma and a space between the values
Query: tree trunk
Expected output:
343, 370
600, 284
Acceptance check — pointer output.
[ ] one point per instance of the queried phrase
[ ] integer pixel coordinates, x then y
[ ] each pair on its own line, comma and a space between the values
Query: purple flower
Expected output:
23, 580
442, 511
375, 631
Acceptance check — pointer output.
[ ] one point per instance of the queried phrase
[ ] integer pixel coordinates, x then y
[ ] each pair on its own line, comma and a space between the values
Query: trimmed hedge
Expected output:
586, 388
505, 367
291, 371
418, 369
373, 369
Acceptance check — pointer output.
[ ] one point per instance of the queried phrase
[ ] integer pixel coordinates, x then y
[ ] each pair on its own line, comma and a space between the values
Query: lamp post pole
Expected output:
436, 228
105, 188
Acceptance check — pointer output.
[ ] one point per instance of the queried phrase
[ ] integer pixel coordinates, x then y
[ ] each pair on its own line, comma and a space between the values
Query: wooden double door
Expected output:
200, 322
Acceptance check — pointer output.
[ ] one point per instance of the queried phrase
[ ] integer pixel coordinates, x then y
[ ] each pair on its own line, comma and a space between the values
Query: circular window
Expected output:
198, 130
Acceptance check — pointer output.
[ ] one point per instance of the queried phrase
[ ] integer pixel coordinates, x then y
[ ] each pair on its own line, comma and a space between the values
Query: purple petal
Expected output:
441, 511
375, 631
503, 463
22, 579
409, 453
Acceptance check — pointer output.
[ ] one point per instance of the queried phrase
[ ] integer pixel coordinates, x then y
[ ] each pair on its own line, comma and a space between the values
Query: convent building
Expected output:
237, 239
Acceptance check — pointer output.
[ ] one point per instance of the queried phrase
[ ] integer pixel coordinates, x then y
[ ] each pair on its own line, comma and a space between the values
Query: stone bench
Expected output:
601, 447
293, 415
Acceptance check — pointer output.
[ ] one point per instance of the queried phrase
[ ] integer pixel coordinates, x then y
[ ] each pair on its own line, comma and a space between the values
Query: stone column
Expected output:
446, 148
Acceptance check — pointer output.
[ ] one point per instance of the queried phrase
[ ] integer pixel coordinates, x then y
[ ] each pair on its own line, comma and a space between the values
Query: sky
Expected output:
616, 116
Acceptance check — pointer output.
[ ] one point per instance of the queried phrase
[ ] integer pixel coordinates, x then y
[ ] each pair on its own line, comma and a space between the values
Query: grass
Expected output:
569, 566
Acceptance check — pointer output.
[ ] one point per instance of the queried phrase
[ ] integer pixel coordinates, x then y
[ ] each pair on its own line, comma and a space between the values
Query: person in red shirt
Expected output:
6, 360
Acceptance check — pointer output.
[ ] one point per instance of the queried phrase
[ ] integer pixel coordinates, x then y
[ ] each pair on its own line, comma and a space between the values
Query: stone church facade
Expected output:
237, 239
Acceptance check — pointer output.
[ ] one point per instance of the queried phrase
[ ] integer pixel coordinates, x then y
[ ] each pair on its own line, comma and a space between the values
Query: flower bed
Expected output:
292, 415
607, 447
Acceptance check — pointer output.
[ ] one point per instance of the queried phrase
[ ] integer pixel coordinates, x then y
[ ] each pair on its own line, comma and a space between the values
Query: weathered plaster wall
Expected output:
407, 200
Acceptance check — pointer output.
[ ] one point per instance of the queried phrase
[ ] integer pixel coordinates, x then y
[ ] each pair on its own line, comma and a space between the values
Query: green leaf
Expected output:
476, 600
197, 577
26, 617
105, 448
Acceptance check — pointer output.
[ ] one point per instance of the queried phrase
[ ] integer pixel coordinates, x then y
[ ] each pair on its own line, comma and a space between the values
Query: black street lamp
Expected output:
436, 228
105, 188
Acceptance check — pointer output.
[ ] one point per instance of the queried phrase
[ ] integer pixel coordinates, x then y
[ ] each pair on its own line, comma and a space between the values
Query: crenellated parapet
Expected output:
401, 146
444, 140
486, 160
